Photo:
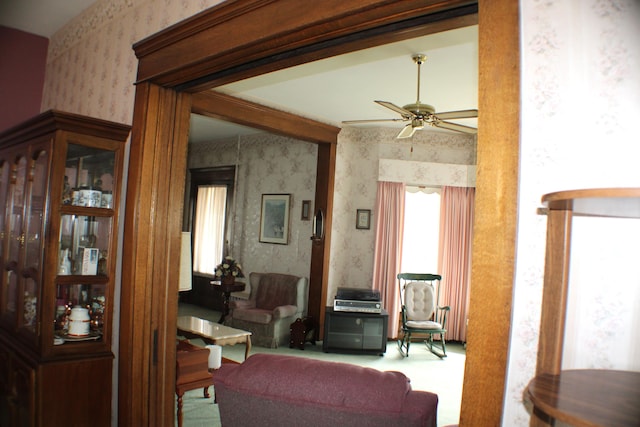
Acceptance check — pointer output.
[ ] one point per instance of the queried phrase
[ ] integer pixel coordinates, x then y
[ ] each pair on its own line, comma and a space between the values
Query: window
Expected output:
421, 230
210, 199
208, 229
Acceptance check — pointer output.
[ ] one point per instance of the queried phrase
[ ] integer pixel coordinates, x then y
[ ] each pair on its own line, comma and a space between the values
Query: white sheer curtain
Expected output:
208, 231
421, 230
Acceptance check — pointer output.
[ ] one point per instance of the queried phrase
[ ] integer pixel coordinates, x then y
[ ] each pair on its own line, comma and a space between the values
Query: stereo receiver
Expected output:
357, 306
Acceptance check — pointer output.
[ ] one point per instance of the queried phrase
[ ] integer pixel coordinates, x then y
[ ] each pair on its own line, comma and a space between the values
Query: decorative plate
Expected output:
73, 338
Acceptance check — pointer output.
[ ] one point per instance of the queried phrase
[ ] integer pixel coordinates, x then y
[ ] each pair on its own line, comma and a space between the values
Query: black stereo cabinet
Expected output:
355, 332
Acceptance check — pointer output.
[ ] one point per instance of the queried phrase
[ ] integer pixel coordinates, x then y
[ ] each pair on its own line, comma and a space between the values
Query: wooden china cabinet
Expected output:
60, 177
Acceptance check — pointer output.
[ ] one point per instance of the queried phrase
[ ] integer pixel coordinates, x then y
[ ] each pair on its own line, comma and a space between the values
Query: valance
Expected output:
426, 173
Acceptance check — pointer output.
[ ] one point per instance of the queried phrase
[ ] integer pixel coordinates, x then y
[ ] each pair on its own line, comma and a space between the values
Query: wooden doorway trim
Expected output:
238, 38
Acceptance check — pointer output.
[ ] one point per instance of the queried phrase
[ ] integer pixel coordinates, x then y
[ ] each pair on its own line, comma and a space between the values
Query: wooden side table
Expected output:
587, 397
302, 331
226, 289
192, 371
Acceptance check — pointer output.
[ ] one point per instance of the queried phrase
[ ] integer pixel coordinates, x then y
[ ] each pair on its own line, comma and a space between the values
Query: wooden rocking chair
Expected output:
421, 314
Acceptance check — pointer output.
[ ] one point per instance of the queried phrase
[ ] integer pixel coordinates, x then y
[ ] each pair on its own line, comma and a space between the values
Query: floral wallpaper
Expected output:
266, 164
359, 153
580, 101
273, 164
91, 66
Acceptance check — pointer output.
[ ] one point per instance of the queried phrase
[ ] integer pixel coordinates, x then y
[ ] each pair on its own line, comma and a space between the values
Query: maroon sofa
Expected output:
269, 390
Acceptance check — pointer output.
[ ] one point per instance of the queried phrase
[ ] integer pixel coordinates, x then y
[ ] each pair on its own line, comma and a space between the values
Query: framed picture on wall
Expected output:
363, 219
274, 218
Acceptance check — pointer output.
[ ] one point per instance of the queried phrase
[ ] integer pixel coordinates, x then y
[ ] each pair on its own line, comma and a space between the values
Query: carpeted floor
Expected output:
425, 370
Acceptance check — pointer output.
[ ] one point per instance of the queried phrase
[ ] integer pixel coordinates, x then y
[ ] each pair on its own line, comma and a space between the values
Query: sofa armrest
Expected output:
284, 311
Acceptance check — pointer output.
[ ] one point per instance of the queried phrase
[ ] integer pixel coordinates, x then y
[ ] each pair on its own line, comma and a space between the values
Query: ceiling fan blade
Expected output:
373, 121
407, 132
456, 127
404, 113
462, 114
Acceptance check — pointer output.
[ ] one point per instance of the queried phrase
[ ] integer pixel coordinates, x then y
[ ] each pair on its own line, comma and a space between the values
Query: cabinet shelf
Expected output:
587, 397
85, 211
71, 279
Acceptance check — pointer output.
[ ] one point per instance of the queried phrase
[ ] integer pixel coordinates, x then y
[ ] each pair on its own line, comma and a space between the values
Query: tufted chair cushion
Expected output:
419, 301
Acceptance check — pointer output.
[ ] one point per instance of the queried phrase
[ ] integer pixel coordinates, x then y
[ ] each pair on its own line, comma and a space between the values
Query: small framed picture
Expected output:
363, 219
274, 220
306, 210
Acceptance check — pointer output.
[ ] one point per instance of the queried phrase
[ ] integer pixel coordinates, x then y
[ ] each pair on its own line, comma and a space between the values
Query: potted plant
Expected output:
228, 270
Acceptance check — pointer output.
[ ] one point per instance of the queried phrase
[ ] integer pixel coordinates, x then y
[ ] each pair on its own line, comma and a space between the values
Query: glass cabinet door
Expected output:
84, 242
80, 309
88, 180
84, 245
32, 264
15, 211
5, 167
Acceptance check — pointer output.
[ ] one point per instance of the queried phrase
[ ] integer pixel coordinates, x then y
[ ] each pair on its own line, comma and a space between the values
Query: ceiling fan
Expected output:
418, 114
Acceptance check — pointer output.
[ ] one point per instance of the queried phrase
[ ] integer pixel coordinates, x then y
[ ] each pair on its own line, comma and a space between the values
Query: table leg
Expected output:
225, 306
248, 347
179, 410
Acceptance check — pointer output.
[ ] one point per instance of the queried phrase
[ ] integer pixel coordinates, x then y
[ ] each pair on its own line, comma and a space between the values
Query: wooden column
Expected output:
152, 237
494, 242
320, 249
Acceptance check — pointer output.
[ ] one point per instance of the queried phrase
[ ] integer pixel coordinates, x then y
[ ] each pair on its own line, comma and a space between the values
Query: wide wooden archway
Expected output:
239, 39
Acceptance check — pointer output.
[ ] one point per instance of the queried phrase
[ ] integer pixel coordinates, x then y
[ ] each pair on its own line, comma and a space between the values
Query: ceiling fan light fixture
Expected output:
420, 109
417, 123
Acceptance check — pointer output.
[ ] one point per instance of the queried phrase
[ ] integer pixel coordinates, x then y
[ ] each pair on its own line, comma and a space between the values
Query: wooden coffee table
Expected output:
213, 333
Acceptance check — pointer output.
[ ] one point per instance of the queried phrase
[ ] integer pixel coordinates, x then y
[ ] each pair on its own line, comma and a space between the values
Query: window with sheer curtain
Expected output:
425, 232
208, 230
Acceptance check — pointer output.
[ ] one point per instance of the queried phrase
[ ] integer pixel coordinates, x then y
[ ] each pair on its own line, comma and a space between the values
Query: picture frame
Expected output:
305, 214
363, 219
274, 218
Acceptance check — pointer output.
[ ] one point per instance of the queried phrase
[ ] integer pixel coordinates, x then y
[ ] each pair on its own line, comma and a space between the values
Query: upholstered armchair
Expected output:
275, 301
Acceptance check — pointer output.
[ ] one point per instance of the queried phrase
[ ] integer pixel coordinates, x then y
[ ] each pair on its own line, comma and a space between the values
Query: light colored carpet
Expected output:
425, 370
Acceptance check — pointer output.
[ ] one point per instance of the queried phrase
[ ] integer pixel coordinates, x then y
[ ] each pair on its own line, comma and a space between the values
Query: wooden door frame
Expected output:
236, 40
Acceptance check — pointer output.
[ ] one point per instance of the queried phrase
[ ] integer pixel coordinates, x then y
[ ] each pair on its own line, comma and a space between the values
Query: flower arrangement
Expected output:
229, 267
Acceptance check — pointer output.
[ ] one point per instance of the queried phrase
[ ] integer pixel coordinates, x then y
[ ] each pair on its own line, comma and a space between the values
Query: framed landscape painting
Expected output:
274, 218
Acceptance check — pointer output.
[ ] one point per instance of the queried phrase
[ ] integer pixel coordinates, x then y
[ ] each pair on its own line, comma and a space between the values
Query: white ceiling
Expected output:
330, 90
41, 17
345, 87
